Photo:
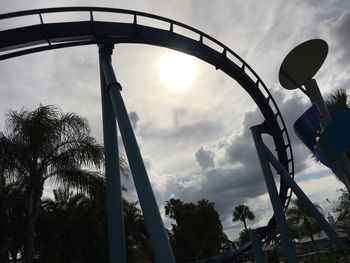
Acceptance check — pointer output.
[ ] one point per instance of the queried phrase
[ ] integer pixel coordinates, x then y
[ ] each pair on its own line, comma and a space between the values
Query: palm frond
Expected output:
89, 182
339, 100
83, 151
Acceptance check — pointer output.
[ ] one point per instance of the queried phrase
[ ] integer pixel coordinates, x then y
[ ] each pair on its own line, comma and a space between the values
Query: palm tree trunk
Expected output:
33, 209
29, 251
245, 225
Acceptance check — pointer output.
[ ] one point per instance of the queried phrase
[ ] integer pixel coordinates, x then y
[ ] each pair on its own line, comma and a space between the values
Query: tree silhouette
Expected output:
72, 228
339, 100
342, 207
242, 213
48, 144
12, 221
198, 231
244, 236
136, 237
301, 223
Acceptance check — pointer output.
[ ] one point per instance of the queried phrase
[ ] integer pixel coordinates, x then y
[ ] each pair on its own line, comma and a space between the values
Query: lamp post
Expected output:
297, 70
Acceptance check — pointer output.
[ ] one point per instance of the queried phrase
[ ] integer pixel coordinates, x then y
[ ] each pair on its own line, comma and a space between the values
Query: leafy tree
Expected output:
71, 228
302, 224
11, 221
174, 208
136, 237
342, 207
226, 244
47, 144
244, 236
242, 213
294, 229
198, 231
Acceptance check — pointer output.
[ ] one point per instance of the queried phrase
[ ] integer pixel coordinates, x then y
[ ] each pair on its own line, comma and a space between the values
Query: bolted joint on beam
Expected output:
282, 170
114, 84
258, 129
263, 128
106, 48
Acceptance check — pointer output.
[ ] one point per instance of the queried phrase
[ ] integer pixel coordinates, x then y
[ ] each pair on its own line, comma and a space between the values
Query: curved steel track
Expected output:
168, 33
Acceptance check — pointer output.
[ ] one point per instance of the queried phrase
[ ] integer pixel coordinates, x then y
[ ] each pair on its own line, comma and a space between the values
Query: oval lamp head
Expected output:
302, 63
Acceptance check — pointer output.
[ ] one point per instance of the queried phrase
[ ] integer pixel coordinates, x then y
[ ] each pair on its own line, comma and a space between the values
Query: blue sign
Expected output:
307, 128
336, 137
334, 140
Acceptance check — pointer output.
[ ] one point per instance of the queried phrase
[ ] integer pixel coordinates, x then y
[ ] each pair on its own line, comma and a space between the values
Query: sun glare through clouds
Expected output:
177, 71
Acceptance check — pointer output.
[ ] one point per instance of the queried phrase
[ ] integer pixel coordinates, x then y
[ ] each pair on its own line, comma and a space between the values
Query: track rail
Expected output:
42, 36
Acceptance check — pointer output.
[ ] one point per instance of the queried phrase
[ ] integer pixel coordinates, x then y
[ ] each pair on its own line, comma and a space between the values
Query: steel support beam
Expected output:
259, 256
311, 209
273, 193
159, 240
116, 237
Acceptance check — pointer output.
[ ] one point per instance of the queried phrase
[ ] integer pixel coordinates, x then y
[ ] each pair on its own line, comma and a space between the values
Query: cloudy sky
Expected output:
195, 136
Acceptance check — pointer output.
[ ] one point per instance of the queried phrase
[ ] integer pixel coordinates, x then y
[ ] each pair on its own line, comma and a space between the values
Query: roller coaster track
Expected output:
157, 31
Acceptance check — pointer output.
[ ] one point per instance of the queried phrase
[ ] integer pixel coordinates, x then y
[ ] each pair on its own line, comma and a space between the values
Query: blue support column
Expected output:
312, 210
159, 240
273, 193
116, 237
259, 256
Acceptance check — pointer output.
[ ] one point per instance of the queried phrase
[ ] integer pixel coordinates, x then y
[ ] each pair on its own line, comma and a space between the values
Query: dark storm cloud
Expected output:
205, 158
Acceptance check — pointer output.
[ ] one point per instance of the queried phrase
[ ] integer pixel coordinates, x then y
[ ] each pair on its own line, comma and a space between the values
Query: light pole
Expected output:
297, 70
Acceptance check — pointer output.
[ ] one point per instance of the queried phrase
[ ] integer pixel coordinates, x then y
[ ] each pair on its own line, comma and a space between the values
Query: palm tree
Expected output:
301, 223
339, 100
173, 208
198, 230
72, 228
11, 221
48, 144
242, 213
137, 242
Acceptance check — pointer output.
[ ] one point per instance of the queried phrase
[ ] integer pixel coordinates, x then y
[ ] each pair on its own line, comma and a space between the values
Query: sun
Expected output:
177, 71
